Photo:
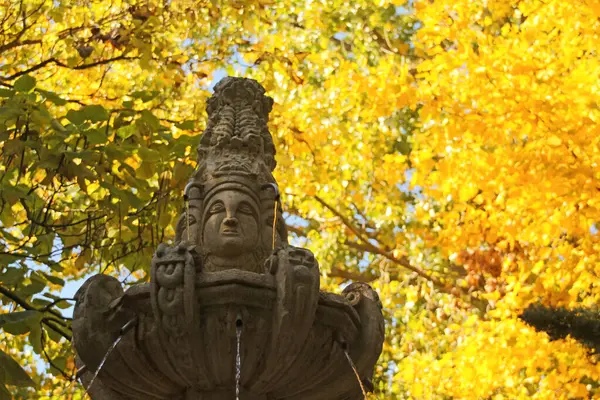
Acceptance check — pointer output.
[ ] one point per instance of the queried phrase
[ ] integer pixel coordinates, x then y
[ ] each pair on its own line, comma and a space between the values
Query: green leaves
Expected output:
11, 372
10, 276
36, 285
6, 93
92, 113
76, 117
95, 113
147, 123
20, 322
52, 97
4, 393
59, 364
54, 279
24, 84
149, 155
144, 95
187, 125
16, 317
96, 136
126, 131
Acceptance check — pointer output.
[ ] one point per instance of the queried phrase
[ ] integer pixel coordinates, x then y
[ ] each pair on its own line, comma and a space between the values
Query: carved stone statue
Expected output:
230, 291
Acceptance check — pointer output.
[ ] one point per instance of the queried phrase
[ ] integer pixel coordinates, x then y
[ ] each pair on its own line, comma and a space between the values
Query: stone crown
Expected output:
237, 141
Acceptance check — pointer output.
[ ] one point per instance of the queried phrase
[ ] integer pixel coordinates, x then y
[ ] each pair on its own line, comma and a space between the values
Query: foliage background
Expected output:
444, 151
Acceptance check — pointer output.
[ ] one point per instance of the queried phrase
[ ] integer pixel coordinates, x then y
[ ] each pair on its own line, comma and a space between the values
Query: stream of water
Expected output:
238, 358
187, 218
110, 349
127, 327
362, 387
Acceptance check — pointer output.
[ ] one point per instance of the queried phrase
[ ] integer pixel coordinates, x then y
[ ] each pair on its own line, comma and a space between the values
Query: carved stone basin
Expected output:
225, 293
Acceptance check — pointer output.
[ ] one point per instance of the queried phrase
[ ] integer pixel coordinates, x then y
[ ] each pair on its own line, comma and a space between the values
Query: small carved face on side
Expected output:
231, 224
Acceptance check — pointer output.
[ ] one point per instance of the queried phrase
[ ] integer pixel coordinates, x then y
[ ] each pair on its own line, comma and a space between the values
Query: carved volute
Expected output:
229, 290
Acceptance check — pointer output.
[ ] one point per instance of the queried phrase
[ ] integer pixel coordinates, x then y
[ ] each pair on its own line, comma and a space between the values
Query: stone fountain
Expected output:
231, 310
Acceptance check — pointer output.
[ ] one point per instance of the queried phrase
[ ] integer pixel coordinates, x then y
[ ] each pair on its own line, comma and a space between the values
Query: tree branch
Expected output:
102, 62
295, 229
371, 248
353, 276
60, 64
51, 323
16, 43
31, 218
43, 343
368, 246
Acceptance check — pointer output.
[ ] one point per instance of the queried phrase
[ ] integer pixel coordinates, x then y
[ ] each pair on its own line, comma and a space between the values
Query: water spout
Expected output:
238, 356
127, 327
362, 387
276, 202
110, 349
186, 200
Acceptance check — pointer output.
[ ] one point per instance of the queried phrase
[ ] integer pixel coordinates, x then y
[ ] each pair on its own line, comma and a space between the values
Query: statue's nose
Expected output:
230, 221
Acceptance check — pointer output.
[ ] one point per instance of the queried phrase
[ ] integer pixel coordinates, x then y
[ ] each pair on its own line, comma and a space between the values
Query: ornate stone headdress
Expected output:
236, 152
237, 141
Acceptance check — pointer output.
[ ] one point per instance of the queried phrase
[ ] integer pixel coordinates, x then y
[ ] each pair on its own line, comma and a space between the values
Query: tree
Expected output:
444, 152
506, 156
582, 325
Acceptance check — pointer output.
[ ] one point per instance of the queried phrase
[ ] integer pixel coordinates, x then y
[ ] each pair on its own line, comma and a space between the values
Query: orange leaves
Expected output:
482, 261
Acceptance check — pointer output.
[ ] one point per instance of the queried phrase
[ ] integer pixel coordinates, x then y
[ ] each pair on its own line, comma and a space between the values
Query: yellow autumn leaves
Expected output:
508, 154
457, 137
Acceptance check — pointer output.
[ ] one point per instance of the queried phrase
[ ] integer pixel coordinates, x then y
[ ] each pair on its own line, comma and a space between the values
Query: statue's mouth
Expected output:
230, 232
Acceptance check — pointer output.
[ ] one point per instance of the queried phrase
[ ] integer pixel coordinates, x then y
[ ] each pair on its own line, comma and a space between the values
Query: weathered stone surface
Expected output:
178, 333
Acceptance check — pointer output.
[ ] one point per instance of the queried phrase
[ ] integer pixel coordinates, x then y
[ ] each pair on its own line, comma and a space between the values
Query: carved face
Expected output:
231, 224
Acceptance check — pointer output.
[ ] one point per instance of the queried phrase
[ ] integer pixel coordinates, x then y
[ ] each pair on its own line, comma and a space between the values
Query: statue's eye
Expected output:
245, 208
217, 208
